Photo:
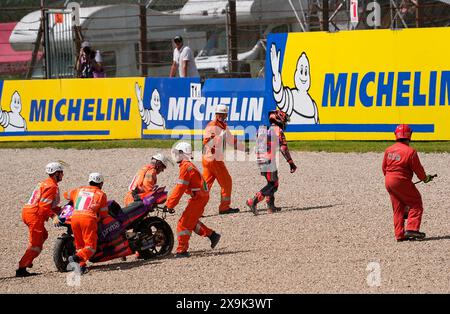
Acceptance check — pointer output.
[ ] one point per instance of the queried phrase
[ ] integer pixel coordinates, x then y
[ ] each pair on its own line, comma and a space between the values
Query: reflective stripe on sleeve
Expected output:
45, 200
90, 249
195, 189
180, 181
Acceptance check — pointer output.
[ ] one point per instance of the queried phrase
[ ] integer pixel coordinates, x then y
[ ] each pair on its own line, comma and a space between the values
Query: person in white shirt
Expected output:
183, 59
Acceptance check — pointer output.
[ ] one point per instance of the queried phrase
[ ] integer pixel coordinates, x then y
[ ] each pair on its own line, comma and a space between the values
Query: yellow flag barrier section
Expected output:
358, 85
70, 109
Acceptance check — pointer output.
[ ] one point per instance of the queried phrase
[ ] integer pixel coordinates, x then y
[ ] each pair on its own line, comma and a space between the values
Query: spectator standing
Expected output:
183, 60
89, 62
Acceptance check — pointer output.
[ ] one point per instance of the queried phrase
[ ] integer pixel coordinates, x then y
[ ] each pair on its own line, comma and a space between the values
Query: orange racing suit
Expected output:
89, 204
144, 181
190, 182
216, 136
42, 204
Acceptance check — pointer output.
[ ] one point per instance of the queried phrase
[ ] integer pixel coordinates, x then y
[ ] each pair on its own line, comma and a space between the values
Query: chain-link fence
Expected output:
135, 37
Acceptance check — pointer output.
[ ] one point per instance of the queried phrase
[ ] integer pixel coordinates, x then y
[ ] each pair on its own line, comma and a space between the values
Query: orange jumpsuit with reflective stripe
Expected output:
42, 204
215, 138
144, 181
399, 163
89, 204
190, 182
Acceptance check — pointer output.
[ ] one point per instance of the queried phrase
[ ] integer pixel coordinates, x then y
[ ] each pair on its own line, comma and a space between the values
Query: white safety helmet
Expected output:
162, 158
221, 109
53, 167
96, 177
182, 148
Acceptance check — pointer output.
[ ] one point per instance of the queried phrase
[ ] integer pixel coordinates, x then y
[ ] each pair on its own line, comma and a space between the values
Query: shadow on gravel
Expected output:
293, 208
209, 252
447, 237
25, 278
124, 265
283, 209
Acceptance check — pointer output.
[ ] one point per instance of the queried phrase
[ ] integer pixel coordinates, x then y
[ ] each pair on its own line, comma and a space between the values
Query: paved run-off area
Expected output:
336, 224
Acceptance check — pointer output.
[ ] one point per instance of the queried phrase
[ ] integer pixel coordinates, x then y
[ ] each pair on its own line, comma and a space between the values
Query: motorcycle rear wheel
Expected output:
64, 247
162, 235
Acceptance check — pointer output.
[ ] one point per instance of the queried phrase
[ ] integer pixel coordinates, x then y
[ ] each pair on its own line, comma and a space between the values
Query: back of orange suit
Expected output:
399, 163
143, 181
216, 136
90, 204
192, 183
42, 205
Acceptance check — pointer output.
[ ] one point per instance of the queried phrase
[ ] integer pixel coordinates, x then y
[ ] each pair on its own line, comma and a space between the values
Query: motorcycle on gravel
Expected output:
129, 230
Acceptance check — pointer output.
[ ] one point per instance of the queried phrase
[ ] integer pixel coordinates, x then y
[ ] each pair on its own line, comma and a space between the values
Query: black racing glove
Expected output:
428, 178
292, 166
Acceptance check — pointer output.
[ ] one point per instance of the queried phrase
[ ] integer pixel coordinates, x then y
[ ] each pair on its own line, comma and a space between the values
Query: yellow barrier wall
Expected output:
69, 109
362, 83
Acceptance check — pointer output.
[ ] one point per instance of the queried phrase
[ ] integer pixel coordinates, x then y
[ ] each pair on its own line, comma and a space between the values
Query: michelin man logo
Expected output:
12, 121
295, 102
151, 117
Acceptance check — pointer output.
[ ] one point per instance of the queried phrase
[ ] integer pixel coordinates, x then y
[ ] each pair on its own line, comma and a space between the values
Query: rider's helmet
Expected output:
279, 118
53, 167
96, 177
403, 131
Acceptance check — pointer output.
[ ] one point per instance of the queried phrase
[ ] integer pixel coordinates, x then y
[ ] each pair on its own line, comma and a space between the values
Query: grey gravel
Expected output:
336, 219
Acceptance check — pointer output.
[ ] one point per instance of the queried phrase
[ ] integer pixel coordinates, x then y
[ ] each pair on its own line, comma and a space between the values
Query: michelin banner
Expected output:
69, 109
358, 85
180, 108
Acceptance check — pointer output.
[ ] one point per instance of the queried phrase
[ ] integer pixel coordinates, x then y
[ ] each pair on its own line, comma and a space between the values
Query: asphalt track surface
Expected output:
333, 235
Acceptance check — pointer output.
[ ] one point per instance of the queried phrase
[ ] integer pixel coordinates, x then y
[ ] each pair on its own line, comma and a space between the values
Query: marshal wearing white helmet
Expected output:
43, 203
216, 136
146, 178
190, 181
90, 206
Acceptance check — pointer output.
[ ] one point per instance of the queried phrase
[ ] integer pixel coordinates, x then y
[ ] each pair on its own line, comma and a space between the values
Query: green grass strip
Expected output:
312, 146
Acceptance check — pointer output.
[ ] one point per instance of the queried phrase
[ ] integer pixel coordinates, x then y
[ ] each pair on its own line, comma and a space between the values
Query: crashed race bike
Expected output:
128, 230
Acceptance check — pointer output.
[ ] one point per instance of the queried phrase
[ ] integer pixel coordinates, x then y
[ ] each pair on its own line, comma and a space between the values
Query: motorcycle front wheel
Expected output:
161, 235
64, 247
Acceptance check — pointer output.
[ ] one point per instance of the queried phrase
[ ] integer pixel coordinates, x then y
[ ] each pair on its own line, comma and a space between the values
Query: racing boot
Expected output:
414, 235
229, 211
182, 254
22, 272
251, 203
271, 208
214, 237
